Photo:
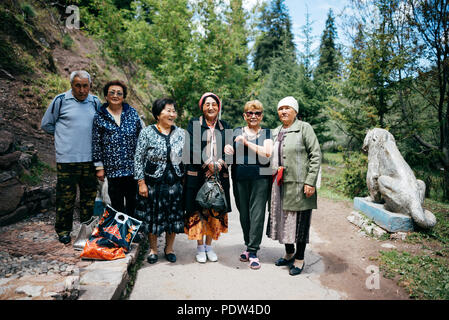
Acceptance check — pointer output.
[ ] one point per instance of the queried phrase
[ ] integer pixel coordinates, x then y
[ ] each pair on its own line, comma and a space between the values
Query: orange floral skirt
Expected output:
207, 223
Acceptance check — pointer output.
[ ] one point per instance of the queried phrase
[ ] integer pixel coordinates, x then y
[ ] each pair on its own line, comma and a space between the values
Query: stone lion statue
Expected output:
391, 181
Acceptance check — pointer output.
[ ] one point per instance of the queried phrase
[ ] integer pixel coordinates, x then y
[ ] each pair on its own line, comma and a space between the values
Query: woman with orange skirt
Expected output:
205, 149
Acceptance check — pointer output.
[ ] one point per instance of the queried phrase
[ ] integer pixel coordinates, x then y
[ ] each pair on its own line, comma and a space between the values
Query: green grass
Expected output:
67, 41
330, 170
333, 158
34, 175
438, 235
28, 11
424, 275
49, 87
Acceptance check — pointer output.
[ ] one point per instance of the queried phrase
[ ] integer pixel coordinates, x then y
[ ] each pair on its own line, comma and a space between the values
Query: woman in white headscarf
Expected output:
296, 164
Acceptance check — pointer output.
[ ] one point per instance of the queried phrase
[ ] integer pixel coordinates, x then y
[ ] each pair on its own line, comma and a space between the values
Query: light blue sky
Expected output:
318, 10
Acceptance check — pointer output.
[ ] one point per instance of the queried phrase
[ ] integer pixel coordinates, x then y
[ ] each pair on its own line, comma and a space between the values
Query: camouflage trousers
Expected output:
69, 176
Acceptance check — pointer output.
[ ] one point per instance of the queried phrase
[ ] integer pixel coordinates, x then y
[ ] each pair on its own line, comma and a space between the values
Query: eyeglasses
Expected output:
251, 113
113, 93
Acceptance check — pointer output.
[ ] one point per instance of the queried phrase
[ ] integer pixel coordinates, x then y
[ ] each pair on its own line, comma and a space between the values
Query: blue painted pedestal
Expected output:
390, 221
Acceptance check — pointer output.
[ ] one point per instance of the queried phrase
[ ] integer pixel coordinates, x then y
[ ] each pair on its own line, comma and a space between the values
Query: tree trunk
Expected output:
446, 184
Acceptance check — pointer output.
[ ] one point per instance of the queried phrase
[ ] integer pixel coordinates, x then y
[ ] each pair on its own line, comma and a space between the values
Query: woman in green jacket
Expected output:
296, 163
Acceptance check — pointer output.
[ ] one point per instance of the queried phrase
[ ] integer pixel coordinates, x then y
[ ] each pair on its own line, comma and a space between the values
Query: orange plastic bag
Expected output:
102, 249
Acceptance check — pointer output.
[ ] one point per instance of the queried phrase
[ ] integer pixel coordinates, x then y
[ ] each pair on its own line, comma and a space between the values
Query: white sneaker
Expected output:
211, 255
201, 257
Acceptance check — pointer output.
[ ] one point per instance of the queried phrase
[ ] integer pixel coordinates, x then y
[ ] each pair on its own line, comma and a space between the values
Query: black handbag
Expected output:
211, 195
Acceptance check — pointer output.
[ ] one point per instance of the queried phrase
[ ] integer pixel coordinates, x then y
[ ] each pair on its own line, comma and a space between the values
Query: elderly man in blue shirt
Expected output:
69, 118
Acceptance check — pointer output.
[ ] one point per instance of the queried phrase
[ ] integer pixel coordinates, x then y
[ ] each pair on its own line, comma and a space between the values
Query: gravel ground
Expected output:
34, 264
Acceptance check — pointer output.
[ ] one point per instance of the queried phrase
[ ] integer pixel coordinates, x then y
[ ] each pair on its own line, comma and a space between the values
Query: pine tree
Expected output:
369, 94
307, 56
276, 34
240, 77
328, 64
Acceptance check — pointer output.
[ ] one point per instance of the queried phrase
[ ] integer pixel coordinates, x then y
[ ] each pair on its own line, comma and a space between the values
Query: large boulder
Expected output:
11, 193
6, 142
9, 160
18, 200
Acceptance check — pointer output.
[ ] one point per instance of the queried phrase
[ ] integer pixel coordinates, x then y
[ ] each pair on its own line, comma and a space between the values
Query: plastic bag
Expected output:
102, 198
118, 227
85, 232
100, 248
279, 176
112, 236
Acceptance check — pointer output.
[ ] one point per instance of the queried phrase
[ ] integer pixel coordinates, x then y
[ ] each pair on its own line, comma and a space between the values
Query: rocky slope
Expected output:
37, 55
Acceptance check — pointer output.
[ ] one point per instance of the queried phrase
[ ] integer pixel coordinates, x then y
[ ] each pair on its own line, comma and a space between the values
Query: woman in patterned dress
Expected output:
296, 159
206, 157
159, 171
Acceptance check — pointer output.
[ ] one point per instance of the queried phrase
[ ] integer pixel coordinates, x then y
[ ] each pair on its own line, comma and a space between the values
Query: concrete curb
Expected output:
106, 280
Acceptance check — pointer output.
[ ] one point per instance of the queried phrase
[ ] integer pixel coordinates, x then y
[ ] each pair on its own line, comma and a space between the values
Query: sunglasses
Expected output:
113, 93
251, 113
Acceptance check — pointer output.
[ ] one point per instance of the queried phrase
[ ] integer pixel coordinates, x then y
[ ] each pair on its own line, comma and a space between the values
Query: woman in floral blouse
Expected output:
116, 128
159, 171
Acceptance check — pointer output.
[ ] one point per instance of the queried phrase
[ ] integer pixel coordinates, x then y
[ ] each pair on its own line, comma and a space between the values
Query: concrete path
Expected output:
228, 278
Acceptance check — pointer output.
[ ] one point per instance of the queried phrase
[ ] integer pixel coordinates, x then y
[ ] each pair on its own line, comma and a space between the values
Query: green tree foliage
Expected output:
160, 35
431, 22
223, 55
123, 4
288, 78
353, 179
397, 78
240, 78
276, 34
368, 95
329, 56
191, 47
307, 56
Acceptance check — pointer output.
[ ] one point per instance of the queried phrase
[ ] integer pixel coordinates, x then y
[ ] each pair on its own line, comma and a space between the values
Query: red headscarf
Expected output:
208, 94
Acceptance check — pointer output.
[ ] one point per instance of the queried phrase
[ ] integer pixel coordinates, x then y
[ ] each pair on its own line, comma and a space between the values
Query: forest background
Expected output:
392, 72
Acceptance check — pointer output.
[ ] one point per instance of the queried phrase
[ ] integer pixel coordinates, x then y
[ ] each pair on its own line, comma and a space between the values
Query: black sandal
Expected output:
152, 258
284, 262
171, 257
294, 271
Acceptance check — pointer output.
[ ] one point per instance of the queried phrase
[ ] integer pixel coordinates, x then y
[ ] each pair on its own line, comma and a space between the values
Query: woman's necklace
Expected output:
166, 131
211, 124
250, 134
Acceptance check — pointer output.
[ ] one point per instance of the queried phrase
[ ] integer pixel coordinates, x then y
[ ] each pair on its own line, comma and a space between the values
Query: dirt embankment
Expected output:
37, 55
42, 53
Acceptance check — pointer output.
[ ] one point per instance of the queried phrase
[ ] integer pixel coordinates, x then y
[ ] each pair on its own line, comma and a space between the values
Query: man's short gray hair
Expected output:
80, 74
